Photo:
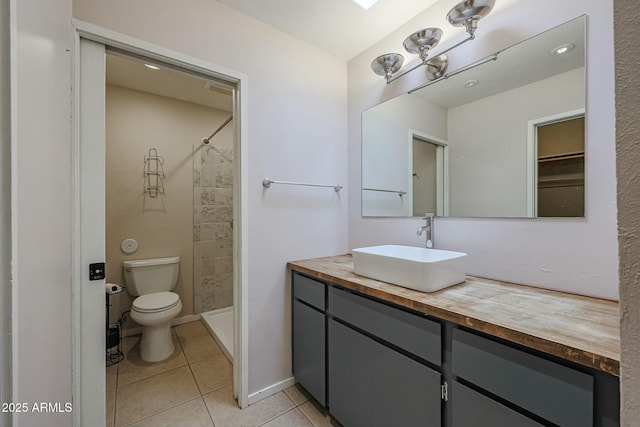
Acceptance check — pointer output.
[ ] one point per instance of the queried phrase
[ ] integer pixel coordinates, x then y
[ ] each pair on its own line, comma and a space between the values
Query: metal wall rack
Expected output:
153, 174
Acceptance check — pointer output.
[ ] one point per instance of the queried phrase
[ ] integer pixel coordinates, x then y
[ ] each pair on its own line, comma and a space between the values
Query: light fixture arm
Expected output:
425, 61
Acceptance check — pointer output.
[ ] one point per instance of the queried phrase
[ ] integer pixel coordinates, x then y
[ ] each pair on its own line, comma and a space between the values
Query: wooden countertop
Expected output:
577, 328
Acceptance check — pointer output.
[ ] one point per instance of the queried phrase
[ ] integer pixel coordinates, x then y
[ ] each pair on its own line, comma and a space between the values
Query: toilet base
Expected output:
156, 343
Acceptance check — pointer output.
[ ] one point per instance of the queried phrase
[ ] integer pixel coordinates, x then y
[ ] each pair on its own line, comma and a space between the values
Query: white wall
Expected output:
386, 160
571, 255
297, 132
488, 142
42, 209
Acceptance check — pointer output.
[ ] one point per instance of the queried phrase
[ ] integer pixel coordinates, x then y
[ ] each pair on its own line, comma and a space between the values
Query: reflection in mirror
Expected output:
510, 134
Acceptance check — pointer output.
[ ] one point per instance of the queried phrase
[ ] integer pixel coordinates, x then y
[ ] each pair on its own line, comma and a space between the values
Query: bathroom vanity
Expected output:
482, 353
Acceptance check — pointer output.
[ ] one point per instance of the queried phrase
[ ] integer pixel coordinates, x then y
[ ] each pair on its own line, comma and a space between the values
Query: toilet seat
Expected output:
156, 302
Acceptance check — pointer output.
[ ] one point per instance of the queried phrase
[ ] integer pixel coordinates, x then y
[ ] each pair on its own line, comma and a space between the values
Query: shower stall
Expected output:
213, 234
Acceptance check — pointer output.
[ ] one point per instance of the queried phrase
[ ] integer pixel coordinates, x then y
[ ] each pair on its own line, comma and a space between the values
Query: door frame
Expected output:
442, 170
532, 153
81, 360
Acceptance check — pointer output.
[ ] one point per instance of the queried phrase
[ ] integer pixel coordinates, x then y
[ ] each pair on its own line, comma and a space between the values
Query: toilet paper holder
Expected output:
113, 335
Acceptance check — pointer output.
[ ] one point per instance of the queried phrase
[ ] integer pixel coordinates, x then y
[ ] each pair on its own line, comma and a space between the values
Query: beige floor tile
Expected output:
317, 415
225, 411
213, 373
133, 368
197, 348
111, 407
112, 377
128, 342
298, 394
293, 418
147, 397
191, 329
191, 414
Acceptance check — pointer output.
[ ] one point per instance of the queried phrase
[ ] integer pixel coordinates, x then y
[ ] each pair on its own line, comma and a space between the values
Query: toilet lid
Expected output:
156, 301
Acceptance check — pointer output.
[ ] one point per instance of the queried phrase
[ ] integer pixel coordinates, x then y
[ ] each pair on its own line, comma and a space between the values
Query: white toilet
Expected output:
151, 281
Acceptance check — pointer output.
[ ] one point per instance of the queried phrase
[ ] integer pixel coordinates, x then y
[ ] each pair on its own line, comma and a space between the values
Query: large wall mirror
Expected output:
502, 139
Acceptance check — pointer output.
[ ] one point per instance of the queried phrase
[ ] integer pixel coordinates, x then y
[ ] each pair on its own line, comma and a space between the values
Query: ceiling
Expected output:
131, 73
340, 27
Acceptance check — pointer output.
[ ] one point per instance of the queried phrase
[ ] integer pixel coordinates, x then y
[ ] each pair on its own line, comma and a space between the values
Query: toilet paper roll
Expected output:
112, 288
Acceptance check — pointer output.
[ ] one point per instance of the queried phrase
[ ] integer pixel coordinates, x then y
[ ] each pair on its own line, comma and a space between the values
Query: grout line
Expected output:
118, 385
281, 414
213, 423
188, 363
305, 415
163, 411
278, 416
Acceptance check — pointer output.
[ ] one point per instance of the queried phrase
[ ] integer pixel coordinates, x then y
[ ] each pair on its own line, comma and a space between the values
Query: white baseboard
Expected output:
137, 330
271, 390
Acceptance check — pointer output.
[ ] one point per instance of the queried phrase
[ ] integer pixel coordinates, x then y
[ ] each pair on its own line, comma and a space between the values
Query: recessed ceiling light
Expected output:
366, 4
564, 48
471, 83
153, 67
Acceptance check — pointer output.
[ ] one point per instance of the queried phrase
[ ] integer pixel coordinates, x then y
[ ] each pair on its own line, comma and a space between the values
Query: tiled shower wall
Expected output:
212, 228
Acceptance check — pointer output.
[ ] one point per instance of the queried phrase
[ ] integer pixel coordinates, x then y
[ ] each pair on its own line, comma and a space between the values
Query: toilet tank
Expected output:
145, 276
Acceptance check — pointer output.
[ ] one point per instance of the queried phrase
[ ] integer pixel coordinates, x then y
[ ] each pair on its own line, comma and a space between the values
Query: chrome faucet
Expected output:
428, 227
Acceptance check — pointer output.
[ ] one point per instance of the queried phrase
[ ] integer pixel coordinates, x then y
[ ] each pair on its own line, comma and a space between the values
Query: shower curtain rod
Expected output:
206, 140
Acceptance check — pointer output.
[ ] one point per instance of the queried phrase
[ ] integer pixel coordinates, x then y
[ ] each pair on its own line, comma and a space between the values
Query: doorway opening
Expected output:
429, 175
179, 200
556, 149
116, 188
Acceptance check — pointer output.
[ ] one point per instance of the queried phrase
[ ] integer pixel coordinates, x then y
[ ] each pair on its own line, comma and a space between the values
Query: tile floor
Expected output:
193, 389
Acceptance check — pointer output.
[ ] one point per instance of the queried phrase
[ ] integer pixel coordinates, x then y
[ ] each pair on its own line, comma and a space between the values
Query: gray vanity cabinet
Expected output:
371, 363
378, 373
308, 335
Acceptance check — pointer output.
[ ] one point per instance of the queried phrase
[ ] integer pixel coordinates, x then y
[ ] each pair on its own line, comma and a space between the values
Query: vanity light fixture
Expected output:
153, 67
466, 14
564, 48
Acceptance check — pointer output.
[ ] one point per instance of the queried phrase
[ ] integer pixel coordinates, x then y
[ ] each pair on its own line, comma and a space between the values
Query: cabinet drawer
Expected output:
409, 332
472, 409
552, 391
308, 290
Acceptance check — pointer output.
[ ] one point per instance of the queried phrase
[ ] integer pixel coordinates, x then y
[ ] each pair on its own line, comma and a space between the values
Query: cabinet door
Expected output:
371, 385
309, 350
405, 392
349, 378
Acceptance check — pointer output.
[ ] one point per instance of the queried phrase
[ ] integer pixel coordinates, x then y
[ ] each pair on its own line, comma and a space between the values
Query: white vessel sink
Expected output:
422, 269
